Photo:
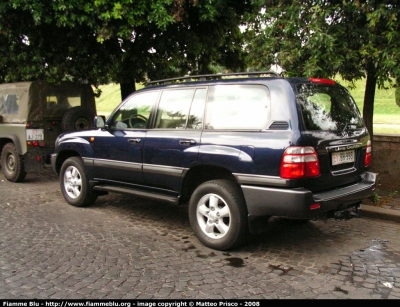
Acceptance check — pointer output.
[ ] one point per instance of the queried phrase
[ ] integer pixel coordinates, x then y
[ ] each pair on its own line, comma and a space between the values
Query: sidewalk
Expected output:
386, 207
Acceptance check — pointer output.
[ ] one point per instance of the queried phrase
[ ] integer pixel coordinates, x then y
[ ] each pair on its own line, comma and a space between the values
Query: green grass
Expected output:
386, 111
110, 98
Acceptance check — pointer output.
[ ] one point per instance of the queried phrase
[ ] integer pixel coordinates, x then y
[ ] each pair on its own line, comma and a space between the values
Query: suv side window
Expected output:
181, 109
135, 112
238, 107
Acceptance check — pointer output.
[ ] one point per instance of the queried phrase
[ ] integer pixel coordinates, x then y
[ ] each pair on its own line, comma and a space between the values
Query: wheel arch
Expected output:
71, 146
200, 174
7, 138
62, 156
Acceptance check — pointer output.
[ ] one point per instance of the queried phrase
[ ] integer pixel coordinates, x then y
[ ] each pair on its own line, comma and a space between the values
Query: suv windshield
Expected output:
328, 108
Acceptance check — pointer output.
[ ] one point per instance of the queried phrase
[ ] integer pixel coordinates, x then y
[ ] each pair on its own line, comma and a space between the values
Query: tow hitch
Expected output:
347, 214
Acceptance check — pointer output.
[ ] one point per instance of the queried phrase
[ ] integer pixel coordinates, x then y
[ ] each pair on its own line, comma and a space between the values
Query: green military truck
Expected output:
32, 116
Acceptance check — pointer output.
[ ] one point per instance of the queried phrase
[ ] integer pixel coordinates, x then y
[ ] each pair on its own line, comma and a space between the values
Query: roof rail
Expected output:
214, 76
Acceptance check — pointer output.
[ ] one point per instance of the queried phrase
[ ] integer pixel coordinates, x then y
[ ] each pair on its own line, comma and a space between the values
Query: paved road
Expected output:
127, 248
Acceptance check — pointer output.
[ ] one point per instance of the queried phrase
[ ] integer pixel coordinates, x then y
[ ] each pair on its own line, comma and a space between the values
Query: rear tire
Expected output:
75, 184
12, 163
218, 215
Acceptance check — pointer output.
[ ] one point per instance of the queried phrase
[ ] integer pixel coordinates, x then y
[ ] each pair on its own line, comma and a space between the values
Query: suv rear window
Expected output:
328, 108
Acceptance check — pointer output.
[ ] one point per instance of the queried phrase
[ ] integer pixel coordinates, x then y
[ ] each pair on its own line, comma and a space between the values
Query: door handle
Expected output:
134, 141
187, 142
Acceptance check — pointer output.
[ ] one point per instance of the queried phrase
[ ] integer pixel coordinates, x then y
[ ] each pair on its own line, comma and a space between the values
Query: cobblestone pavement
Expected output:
128, 248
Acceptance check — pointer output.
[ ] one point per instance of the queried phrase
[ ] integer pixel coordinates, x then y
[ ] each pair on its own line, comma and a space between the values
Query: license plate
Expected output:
343, 157
34, 134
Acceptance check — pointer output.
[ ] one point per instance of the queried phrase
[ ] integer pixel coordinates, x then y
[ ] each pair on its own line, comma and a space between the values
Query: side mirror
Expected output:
100, 121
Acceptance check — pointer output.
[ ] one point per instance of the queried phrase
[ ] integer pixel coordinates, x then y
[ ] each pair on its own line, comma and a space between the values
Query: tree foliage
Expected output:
322, 38
122, 41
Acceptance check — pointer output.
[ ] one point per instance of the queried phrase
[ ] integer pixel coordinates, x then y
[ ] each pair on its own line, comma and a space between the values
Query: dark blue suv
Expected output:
237, 149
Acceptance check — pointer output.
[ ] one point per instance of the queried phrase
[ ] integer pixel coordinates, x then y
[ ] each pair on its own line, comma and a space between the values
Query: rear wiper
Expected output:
346, 128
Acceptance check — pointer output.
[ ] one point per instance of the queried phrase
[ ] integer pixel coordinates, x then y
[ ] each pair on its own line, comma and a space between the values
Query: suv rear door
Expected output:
236, 136
333, 125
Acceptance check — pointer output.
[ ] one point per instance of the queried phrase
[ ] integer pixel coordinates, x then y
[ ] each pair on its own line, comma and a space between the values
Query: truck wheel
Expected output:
218, 215
77, 118
75, 184
12, 163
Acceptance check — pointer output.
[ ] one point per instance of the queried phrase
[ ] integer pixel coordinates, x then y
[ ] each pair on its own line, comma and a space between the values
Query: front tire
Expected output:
218, 215
75, 184
12, 163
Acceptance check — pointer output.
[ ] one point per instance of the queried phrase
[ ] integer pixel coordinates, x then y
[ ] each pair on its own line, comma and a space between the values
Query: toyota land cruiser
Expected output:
237, 149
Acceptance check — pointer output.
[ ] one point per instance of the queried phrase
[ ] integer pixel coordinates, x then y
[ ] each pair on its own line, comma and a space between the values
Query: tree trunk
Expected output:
127, 88
368, 110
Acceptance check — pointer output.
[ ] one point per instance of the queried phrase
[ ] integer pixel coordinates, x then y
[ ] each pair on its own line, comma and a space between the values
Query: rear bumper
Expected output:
295, 203
36, 158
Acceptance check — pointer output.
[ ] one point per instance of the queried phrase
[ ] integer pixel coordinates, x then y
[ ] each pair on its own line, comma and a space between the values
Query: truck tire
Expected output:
218, 215
77, 118
75, 184
12, 163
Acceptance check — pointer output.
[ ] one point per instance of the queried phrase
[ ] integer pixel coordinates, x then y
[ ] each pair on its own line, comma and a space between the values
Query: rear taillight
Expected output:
299, 162
368, 154
35, 143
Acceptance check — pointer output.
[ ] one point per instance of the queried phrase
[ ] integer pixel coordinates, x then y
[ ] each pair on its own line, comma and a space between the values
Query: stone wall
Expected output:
386, 161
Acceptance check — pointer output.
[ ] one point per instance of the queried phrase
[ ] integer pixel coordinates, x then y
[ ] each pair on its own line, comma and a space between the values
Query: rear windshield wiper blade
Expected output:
346, 128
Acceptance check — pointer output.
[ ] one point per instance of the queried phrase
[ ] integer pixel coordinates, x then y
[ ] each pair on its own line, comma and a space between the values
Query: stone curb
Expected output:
381, 213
